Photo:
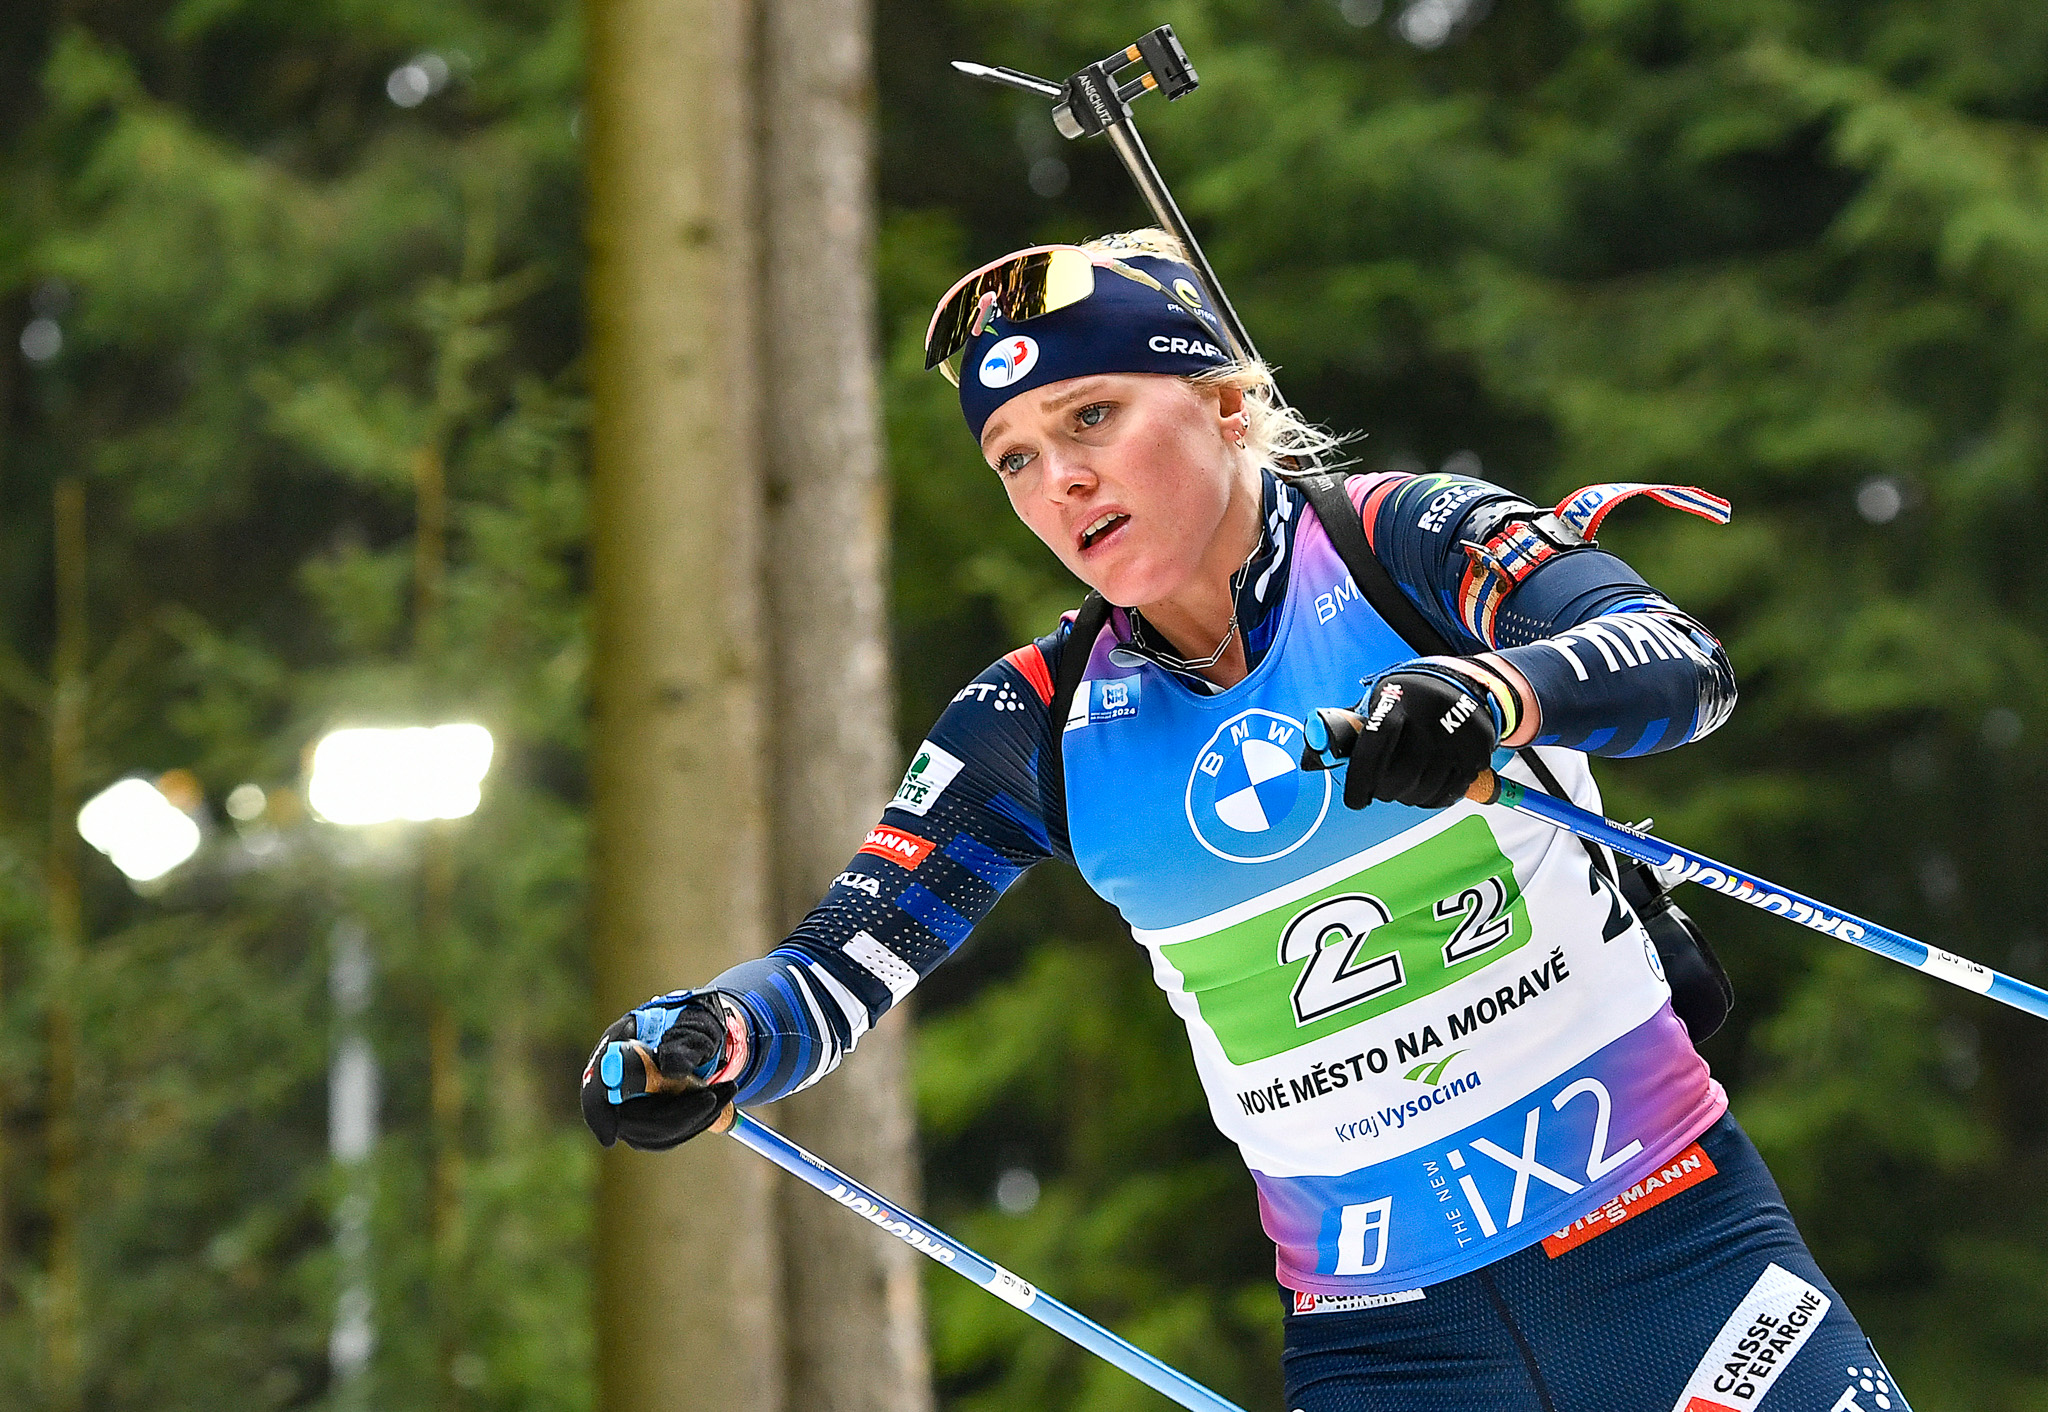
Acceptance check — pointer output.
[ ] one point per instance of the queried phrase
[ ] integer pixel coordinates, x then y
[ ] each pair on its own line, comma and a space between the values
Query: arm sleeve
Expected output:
964, 824
1616, 667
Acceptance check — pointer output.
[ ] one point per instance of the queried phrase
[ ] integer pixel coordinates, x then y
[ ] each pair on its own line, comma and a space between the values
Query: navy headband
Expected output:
1123, 327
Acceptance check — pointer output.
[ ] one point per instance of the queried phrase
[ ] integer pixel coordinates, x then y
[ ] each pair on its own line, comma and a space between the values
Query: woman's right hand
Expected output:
1420, 736
662, 1073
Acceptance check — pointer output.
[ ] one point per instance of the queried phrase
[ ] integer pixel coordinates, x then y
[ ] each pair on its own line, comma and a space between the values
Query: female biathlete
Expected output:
1497, 1173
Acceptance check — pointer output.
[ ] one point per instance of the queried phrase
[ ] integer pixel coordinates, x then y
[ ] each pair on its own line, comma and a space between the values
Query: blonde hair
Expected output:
1276, 434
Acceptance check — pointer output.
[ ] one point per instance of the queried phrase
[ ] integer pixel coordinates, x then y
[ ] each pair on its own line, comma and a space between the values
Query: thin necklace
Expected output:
1172, 661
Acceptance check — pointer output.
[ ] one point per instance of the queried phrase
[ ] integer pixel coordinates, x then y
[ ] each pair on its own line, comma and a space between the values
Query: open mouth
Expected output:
1094, 534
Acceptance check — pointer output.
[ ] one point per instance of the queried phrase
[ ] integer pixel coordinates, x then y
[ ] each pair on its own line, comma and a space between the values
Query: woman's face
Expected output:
1128, 477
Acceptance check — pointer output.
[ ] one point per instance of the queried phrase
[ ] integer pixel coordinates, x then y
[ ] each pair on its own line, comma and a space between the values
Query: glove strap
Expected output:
1479, 682
732, 1056
652, 1020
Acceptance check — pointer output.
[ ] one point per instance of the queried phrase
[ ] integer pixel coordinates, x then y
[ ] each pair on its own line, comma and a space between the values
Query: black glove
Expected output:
683, 1038
1420, 736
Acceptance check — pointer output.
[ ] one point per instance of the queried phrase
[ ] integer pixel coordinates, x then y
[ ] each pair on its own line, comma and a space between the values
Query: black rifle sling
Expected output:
1342, 522
1074, 653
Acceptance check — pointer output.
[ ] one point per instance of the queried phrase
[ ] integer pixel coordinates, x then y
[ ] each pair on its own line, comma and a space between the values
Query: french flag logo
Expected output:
1009, 361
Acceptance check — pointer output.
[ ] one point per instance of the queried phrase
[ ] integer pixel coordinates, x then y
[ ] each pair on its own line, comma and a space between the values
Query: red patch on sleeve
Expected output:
895, 845
1030, 665
1375, 495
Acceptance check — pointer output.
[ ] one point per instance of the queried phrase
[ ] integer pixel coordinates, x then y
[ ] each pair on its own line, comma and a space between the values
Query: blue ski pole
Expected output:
956, 1257
928, 1240
1683, 865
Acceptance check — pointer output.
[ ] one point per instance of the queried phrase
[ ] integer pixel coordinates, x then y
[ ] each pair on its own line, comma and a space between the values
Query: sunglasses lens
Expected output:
1069, 278
1024, 288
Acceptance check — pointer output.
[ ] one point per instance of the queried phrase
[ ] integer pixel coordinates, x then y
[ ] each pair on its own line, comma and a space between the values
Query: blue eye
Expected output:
1093, 415
1012, 463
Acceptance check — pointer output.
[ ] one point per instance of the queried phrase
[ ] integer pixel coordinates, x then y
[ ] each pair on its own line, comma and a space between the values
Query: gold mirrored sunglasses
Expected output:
1020, 287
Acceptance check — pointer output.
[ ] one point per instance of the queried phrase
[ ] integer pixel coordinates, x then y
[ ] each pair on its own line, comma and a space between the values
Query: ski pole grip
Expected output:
1485, 789
629, 1071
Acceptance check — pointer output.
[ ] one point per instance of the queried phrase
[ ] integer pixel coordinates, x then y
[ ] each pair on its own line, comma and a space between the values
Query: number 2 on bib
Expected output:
1330, 935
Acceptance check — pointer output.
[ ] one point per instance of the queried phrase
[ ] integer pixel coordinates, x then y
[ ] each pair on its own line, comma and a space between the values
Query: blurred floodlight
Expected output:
1880, 499
144, 833
41, 340
1049, 177
418, 79
1428, 23
407, 86
246, 802
1017, 1191
372, 776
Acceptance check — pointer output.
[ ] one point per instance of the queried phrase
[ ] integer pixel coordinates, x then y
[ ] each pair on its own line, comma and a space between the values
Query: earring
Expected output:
1240, 441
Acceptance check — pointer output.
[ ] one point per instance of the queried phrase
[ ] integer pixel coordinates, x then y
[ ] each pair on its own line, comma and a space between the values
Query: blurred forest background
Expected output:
292, 434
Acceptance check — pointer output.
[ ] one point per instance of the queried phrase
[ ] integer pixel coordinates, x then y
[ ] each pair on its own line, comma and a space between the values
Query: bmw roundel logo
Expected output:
1009, 360
1248, 799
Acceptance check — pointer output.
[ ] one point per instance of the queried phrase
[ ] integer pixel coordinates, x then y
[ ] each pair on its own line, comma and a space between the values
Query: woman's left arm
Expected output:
1598, 660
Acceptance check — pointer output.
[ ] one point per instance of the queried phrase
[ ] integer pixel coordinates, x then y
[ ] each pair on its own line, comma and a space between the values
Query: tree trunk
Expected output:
686, 1260
7, 1091
855, 1314
64, 1307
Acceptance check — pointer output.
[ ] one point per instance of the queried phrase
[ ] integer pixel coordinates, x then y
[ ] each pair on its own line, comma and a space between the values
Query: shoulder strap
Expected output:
1074, 653
1341, 521
1346, 528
